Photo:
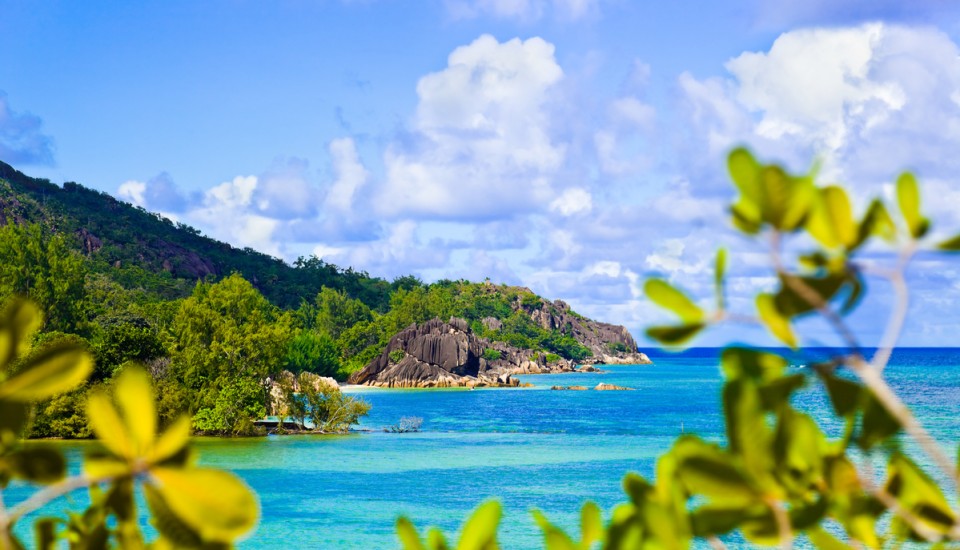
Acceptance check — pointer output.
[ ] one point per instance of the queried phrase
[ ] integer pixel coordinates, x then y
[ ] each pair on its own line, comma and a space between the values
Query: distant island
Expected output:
217, 326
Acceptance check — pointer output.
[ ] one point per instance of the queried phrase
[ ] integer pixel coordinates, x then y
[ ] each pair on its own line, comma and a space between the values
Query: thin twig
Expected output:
783, 524
716, 543
926, 533
51, 492
898, 410
811, 296
898, 317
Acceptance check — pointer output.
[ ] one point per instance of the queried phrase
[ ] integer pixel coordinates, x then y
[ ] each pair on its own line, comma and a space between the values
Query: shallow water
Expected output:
529, 447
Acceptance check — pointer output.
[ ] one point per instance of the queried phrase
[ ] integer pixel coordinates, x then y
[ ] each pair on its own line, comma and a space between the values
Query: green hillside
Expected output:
141, 249
216, 324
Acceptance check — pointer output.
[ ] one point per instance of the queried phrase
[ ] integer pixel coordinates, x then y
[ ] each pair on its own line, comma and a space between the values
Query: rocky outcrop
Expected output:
610, 344
182, 262
437, 354
91, 243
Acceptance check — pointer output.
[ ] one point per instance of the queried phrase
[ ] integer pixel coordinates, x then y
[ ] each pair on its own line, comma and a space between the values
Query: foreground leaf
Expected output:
778, 325
215, 503
480, 531
676, 335
54, 370
134, 395
908, 197
667, 296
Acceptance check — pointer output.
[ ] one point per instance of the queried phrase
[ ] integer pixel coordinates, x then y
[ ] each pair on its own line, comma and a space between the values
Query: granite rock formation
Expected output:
438, 354
610, 344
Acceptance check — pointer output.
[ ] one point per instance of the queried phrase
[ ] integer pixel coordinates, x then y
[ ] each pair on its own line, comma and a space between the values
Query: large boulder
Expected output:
439, 354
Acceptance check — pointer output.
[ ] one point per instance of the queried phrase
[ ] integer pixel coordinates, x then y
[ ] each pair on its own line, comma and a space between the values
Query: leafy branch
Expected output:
778, 476
192, 507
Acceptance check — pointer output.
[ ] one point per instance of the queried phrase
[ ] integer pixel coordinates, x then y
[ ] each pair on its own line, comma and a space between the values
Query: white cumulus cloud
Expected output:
575, 200
481, 145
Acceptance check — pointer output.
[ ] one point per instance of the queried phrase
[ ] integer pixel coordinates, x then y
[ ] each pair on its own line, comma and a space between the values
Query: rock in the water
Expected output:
607, 387
575, 388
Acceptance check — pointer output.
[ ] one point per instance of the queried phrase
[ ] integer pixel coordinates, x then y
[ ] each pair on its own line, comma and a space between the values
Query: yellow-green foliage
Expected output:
191, 506
778, 476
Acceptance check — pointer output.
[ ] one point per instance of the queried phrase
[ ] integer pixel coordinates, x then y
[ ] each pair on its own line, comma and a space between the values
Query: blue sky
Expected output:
572, 146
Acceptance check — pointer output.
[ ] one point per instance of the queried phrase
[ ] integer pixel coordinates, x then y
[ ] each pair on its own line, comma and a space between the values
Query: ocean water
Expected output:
528, 447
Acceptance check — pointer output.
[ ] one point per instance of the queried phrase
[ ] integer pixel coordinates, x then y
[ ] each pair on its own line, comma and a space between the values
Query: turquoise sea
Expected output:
528, 447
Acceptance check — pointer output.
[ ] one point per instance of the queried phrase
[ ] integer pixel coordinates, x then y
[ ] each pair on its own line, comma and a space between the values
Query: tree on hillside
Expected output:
41, 265
337, 312
227, 339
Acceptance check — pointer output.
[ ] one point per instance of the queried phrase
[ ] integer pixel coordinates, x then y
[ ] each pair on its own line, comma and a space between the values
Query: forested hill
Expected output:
141, 249
216, 325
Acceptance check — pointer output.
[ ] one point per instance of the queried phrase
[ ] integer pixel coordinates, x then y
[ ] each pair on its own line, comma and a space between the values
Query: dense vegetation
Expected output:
123, 283
192, 506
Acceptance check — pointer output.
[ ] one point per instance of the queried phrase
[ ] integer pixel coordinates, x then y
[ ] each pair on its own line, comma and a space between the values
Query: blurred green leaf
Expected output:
908, 197
840, 213
134, 395
666, 296
823, 540
745, 173
553, 537
778, 325
876, 222
19, 320
705, 470
637, 488
844, 394
950, 245
746, 217
13, 419
831, 220
798, 448
776, 393
172, 441
791, 303
788, 199
918, 493
480, 531
178, 533
45, 530
675, 335
738, 362
748, 435
407, 533
591, 524
436, 540
709, 520
805, 515
119, 499
37, 464
878, 424
108, 426
216, 504
54, 370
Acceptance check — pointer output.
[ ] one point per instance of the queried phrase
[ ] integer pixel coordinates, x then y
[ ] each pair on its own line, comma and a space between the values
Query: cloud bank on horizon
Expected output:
522, 162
